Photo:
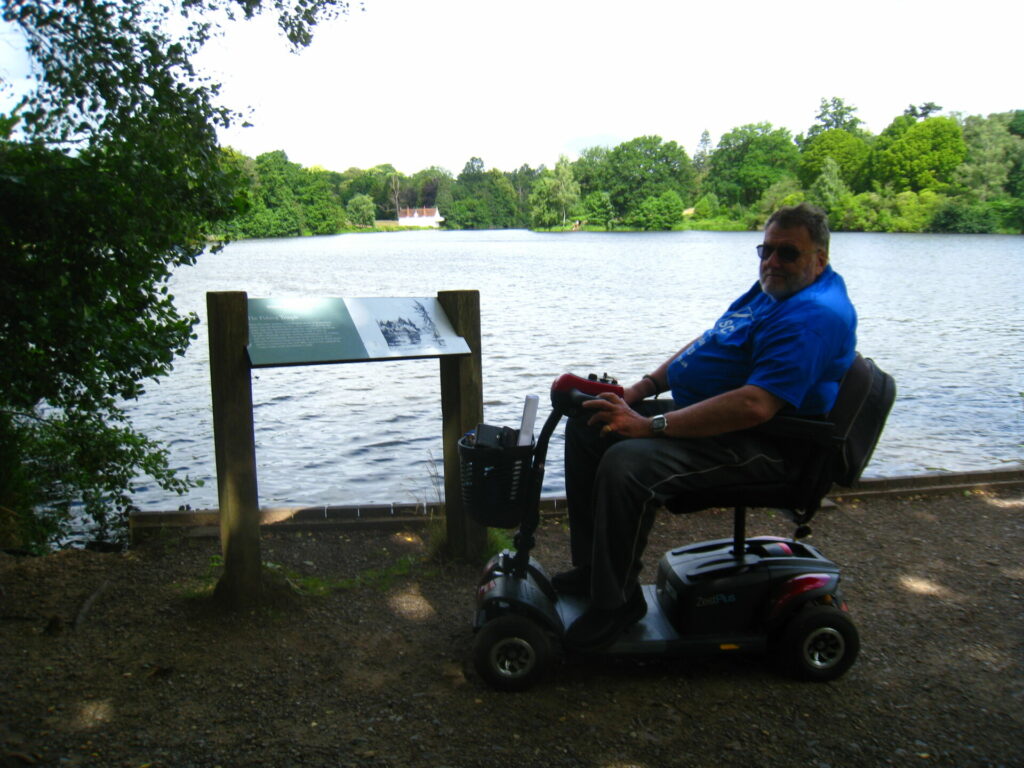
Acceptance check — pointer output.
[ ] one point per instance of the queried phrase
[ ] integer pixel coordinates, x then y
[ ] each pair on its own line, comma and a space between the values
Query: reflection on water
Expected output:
942, 314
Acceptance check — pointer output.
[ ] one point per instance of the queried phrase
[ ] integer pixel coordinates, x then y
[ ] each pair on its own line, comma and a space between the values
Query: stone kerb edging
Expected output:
143, 524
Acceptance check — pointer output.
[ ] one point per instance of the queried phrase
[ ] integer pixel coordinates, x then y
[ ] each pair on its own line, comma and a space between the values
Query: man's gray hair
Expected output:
810, 217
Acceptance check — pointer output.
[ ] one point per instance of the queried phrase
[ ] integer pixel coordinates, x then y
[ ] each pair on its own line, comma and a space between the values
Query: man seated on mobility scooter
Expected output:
783, 346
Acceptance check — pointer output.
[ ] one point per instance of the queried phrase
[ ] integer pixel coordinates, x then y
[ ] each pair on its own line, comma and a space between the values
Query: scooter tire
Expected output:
511, 653
819, 644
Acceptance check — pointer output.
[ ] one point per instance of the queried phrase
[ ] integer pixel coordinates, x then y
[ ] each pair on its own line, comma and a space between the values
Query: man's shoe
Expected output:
575, 581
598, 627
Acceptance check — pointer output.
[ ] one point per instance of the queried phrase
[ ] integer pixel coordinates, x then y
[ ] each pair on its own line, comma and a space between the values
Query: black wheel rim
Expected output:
513, 657
824, 648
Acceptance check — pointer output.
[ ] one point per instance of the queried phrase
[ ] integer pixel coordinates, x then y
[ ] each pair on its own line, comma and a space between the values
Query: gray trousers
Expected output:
616, 485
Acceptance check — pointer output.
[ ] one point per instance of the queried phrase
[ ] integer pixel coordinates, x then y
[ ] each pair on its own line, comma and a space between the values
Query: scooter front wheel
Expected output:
511, 652
820, 644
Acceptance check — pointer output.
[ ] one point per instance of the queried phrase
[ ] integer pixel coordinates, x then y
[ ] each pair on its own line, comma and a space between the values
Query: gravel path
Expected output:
119, 660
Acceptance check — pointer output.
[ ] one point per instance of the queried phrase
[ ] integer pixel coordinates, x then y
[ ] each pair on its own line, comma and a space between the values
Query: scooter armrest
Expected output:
816, 431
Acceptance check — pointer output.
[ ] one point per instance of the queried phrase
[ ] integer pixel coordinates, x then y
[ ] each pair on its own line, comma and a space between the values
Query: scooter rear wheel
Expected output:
820, 644
511, 652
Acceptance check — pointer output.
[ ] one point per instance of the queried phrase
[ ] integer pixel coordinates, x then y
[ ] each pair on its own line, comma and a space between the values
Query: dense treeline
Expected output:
923, 173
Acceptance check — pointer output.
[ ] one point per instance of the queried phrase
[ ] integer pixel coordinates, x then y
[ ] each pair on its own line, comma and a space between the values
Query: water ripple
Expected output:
372, 432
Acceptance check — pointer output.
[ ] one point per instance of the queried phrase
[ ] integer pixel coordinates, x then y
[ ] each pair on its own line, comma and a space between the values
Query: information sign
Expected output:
306, 331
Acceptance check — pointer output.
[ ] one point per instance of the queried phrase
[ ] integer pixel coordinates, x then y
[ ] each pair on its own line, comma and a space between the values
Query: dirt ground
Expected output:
118, 659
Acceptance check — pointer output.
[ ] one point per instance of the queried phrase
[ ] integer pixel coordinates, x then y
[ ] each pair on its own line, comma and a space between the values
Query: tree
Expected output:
374, 183
544, 210
865, 212
785, 191
828, 189
591, 170
707, 207
471, 179
279, 211
488, 199
483, 199
396, 187
914, 211
886, 211
469, 213
284, 199
994, 158
748, 160
243, 168
847, 150
501, 199
112, 178
554, 195
922, 112
322, 210
645, 167
598, 209
429, 185
522, 180
702, 156
924, 156
889, 136
361, 211
1017, 123
835, 115
964, 217
662, 212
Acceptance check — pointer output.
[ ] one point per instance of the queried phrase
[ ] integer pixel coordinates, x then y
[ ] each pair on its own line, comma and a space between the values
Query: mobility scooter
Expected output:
762, 594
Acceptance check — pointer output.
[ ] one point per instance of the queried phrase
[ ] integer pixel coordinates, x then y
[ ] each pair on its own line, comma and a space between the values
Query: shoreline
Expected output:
205, 522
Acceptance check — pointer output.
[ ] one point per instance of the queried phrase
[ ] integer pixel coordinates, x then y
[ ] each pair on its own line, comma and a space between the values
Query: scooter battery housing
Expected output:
703, 588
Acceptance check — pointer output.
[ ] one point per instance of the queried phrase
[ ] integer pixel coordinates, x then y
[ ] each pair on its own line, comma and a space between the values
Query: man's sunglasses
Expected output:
787, 253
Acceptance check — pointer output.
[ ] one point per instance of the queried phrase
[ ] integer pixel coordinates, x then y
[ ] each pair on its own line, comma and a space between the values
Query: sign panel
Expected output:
298, 331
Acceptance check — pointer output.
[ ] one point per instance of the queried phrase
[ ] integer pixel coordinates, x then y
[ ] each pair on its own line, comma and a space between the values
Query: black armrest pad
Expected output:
816, 431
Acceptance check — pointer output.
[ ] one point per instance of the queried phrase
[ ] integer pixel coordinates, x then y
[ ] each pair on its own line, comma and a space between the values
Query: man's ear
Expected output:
821, 258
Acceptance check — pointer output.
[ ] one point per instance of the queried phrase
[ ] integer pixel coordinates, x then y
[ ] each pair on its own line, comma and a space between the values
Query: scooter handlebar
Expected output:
569, 392
568, 381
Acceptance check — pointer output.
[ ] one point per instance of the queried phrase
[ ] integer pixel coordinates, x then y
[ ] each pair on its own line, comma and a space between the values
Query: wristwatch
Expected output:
658, 423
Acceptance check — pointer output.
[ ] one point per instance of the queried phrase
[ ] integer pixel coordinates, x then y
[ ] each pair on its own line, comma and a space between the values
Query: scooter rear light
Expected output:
800, 585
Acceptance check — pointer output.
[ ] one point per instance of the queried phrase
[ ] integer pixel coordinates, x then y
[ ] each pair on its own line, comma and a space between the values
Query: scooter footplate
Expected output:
652, 634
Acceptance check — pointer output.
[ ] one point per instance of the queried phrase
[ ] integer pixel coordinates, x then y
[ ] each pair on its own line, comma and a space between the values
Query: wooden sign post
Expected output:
462, 409
263, 333
241, 584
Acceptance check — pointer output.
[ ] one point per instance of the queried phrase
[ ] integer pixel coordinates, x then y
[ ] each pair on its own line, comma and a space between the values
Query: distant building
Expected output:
419, 217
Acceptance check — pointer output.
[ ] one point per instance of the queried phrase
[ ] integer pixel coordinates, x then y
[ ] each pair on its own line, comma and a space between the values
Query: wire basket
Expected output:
497, 483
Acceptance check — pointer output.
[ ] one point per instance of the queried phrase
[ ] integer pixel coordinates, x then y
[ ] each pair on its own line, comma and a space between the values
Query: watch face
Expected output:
658, 423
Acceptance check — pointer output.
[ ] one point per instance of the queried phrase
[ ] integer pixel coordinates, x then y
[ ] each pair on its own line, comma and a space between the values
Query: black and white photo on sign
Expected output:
399, 327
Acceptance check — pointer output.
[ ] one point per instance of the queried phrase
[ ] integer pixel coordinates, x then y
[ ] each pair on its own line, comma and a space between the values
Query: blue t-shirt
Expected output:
797, 348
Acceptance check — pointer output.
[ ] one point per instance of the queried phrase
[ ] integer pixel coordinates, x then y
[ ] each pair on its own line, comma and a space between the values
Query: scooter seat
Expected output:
824, 452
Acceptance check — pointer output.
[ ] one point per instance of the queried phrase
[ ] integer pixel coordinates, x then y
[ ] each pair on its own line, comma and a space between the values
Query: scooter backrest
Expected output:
849, 433
865, 398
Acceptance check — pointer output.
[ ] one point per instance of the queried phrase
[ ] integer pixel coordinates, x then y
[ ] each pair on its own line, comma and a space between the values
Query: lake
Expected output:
944, 314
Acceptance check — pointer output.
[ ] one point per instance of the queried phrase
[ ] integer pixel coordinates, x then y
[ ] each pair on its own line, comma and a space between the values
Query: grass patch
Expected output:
380, 579
497, 540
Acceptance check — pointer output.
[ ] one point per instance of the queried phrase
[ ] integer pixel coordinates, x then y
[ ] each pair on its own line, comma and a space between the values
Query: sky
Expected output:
416, 83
